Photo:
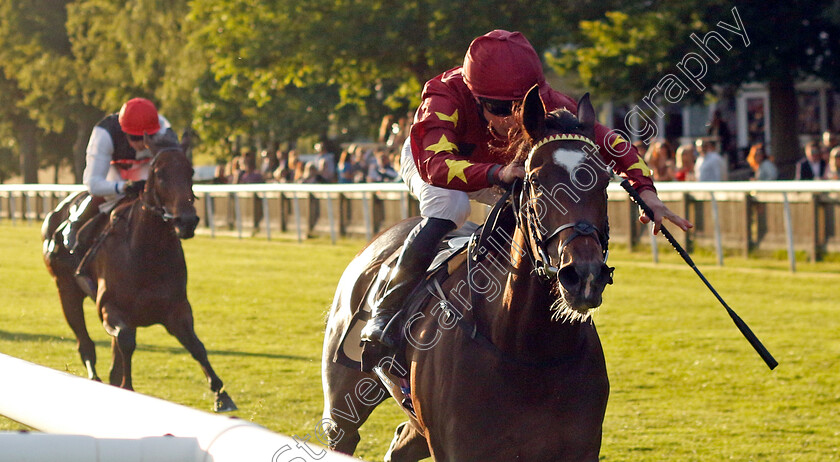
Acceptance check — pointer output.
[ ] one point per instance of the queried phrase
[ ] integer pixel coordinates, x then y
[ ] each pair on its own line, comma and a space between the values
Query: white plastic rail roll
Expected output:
102, 423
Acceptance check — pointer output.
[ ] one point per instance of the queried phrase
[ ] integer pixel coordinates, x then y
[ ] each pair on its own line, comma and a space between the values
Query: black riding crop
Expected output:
742, 326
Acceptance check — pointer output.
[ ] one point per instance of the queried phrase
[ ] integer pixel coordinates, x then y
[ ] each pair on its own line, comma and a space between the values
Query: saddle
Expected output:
451, 253
89, 235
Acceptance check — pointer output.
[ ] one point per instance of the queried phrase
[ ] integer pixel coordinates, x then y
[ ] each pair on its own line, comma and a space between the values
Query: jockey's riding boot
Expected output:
417, 254
86, 210
85, 237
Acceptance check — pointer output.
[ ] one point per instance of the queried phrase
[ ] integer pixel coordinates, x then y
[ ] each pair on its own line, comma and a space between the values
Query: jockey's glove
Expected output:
134, 188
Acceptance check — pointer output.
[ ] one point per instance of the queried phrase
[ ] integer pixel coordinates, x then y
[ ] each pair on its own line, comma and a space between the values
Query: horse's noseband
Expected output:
541, 261
543, 265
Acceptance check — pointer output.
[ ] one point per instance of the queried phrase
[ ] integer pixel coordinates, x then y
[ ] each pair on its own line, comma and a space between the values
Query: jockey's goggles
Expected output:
497, 107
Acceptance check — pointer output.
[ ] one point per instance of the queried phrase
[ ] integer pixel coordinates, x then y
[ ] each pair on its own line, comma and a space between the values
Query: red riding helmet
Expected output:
502, 65
139, 116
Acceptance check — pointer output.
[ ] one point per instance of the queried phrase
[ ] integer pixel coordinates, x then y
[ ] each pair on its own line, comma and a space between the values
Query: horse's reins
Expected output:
530, 224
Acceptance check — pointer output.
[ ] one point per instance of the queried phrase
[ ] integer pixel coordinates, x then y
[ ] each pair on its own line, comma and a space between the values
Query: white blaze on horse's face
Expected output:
569, 159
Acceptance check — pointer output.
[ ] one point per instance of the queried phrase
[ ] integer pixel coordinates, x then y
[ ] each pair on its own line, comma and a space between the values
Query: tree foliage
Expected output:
625, 53
280, 70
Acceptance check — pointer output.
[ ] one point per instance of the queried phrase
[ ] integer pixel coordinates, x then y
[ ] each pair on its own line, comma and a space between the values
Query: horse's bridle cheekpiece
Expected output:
542, 263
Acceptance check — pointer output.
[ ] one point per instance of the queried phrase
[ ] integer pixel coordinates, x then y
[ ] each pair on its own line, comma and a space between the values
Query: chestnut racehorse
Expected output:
138, 271
517, 372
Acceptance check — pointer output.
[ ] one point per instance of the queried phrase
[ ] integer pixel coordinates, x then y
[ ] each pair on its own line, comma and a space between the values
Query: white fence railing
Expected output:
98, 422
777, 215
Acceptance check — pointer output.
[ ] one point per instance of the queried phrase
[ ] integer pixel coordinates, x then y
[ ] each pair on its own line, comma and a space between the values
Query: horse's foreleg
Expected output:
126, 342
183, 329
72, 301
116, 374
123, 342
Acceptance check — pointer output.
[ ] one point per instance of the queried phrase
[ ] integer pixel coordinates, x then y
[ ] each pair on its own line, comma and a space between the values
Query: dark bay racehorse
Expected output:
521, 376
138, 270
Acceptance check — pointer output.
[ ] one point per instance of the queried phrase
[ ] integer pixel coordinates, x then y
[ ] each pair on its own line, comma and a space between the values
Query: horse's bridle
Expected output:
156, 208
529, 223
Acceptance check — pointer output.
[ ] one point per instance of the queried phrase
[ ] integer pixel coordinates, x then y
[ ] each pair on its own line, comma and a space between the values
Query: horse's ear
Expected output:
586, 115
533, 113
185, 147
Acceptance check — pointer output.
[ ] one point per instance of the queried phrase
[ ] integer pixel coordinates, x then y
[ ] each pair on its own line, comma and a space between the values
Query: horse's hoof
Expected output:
224, 403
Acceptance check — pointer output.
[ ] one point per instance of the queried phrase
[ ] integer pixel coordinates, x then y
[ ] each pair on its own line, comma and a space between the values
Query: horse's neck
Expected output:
521, 322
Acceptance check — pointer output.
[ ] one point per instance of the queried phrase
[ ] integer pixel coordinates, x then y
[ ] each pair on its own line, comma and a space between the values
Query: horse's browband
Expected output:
562, 137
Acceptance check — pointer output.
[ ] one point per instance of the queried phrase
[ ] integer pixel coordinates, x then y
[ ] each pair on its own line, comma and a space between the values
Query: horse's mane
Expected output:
557, 121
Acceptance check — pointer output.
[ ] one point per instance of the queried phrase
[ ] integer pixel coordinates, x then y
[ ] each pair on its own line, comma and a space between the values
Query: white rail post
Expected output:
237, 215
331, 217
45, 203
27, 207
716, 219
12, 207
654, 247
266, 219
404, 201
296, 207
211, 217
367, 211
789, 233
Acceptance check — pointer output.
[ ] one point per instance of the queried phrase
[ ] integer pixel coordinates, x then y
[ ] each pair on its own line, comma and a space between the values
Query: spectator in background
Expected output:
289, 165
345, 167
381, 170
268, 163
325, 162
396, 161
311, 175
250, 175
219, 177
640, 146
232, 170
829, 142
248, 172
834, 164
763, 167
718, 129
685, 163
385, 129
399, 132
709, 166
812, 166
660, 159
360, 165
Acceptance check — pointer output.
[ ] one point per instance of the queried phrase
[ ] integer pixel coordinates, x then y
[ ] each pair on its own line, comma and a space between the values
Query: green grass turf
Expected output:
685, 385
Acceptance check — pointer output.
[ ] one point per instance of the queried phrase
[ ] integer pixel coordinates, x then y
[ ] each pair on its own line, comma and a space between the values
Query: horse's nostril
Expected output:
568, 277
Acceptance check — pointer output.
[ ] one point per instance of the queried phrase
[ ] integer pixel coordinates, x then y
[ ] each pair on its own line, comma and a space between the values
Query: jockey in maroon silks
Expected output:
456, 152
